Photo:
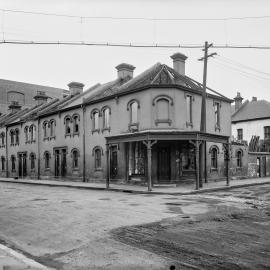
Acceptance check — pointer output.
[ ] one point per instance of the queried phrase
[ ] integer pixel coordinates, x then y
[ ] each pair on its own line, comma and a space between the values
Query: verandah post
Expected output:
107, 166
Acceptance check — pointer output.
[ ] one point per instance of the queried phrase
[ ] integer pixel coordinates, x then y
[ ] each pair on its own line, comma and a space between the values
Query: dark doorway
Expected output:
22, 165
60, 162
263, 166
114, 164
164, 163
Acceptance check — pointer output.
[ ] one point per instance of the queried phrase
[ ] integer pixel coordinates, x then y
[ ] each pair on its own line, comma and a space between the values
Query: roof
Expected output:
252, 110
158, 74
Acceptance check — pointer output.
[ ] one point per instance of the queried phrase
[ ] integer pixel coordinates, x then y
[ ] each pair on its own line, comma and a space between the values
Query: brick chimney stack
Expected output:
254, 99
125, 71
179, 62
238, 101
14, 106
75, 88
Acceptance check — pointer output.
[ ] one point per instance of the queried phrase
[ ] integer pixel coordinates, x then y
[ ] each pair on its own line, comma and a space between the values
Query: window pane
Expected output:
163, 109
106, 118
189, 120
96, 121
134, 112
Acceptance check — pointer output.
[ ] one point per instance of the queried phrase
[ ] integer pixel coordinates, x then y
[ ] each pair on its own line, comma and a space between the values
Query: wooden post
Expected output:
127, 145
107, 166
84, 158
227, 164
197, 149
149, 145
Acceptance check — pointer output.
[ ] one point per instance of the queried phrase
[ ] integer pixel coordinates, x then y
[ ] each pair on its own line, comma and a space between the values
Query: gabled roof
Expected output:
252, 110
158, 74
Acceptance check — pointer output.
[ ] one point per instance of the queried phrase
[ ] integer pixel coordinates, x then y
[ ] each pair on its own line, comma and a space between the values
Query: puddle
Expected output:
134, 204
104, 199
67, 201
39, 199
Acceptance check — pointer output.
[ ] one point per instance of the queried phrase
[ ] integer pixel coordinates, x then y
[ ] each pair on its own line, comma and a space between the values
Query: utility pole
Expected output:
203, 161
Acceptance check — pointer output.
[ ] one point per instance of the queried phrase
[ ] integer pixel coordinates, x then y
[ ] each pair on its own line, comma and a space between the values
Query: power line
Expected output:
230, 61
136, 18
131, 45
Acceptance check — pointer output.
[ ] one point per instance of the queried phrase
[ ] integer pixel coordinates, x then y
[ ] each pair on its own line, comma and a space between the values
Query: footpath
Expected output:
169, 189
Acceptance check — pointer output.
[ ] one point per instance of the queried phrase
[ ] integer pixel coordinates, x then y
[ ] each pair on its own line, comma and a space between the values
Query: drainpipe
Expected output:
84, 176
7, 172
38, 146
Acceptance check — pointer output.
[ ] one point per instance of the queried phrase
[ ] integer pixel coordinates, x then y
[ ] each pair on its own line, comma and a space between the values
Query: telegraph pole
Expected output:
203, 164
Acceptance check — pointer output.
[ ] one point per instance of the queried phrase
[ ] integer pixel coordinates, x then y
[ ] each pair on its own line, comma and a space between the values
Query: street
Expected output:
66, 228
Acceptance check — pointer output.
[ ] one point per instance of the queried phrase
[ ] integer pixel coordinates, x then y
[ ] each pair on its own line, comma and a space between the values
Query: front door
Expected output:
64, 163
114, 165
22, 165
164, 163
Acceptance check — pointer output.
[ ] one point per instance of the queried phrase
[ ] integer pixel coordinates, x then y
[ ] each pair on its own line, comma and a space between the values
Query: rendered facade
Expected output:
142, 129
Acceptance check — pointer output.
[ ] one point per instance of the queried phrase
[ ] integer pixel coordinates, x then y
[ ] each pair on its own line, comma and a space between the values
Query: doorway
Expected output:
258, 167
114, 163
22, 165
164, 163
60, 162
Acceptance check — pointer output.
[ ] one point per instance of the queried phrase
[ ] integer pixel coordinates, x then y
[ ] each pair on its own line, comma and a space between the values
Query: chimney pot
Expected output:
125, 71
179, 62
75, 88
254, 98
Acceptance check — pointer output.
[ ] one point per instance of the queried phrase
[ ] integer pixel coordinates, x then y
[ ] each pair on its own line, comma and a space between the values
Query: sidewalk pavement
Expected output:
170, 189
13, 260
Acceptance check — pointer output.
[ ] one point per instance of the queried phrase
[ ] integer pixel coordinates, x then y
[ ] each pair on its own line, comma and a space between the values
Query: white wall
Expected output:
250, 128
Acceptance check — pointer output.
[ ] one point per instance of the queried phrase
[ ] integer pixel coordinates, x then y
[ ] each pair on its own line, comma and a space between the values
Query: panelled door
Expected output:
164, 163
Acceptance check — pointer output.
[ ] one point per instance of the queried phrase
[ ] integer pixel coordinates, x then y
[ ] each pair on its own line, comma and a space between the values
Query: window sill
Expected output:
217, 128
95, 131
189, 124
47, 169
163, 121
46, 139
133, 127
76, 134
67, 135
106, 129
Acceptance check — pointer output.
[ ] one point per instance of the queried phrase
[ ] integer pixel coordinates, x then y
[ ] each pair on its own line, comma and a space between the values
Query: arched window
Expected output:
12, 136
214, 152
75, 158
45, 128
134, 112
26, 133
95, 120
67, 123
32, 133
97, 152
163, 109
2, 139
3, 163
17, 138
76, 120
106, 117
32, 158
239, 155
47, 157
52, 128
13, 163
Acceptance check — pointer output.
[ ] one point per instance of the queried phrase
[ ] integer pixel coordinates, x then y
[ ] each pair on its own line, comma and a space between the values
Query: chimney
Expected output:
254, 99
14, 106
75, 88
125, 71
238, 101
179, 62
40, 97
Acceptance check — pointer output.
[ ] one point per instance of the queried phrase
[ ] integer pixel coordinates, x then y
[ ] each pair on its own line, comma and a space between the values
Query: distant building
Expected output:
24, 93
251, 127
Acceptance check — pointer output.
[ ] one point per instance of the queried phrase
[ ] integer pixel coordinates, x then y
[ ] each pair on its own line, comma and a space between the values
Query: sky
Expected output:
231, 71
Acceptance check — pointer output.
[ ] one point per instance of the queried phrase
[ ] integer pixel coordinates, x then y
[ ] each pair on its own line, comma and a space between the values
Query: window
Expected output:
189, 109
267, 132
45, 128
97, 152
134, 112
17, 139
240, 134
26, 133
12, 136
217, 115
32, 161
13, 165
2, 139
96, 120
214, 153
52, 128
76, 124
32, 133
163, 109
239, 159
47, 160
106, 118
3, 162
67, 123
75, 158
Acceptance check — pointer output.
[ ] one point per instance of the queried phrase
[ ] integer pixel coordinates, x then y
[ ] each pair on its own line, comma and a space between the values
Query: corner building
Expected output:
131, 129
